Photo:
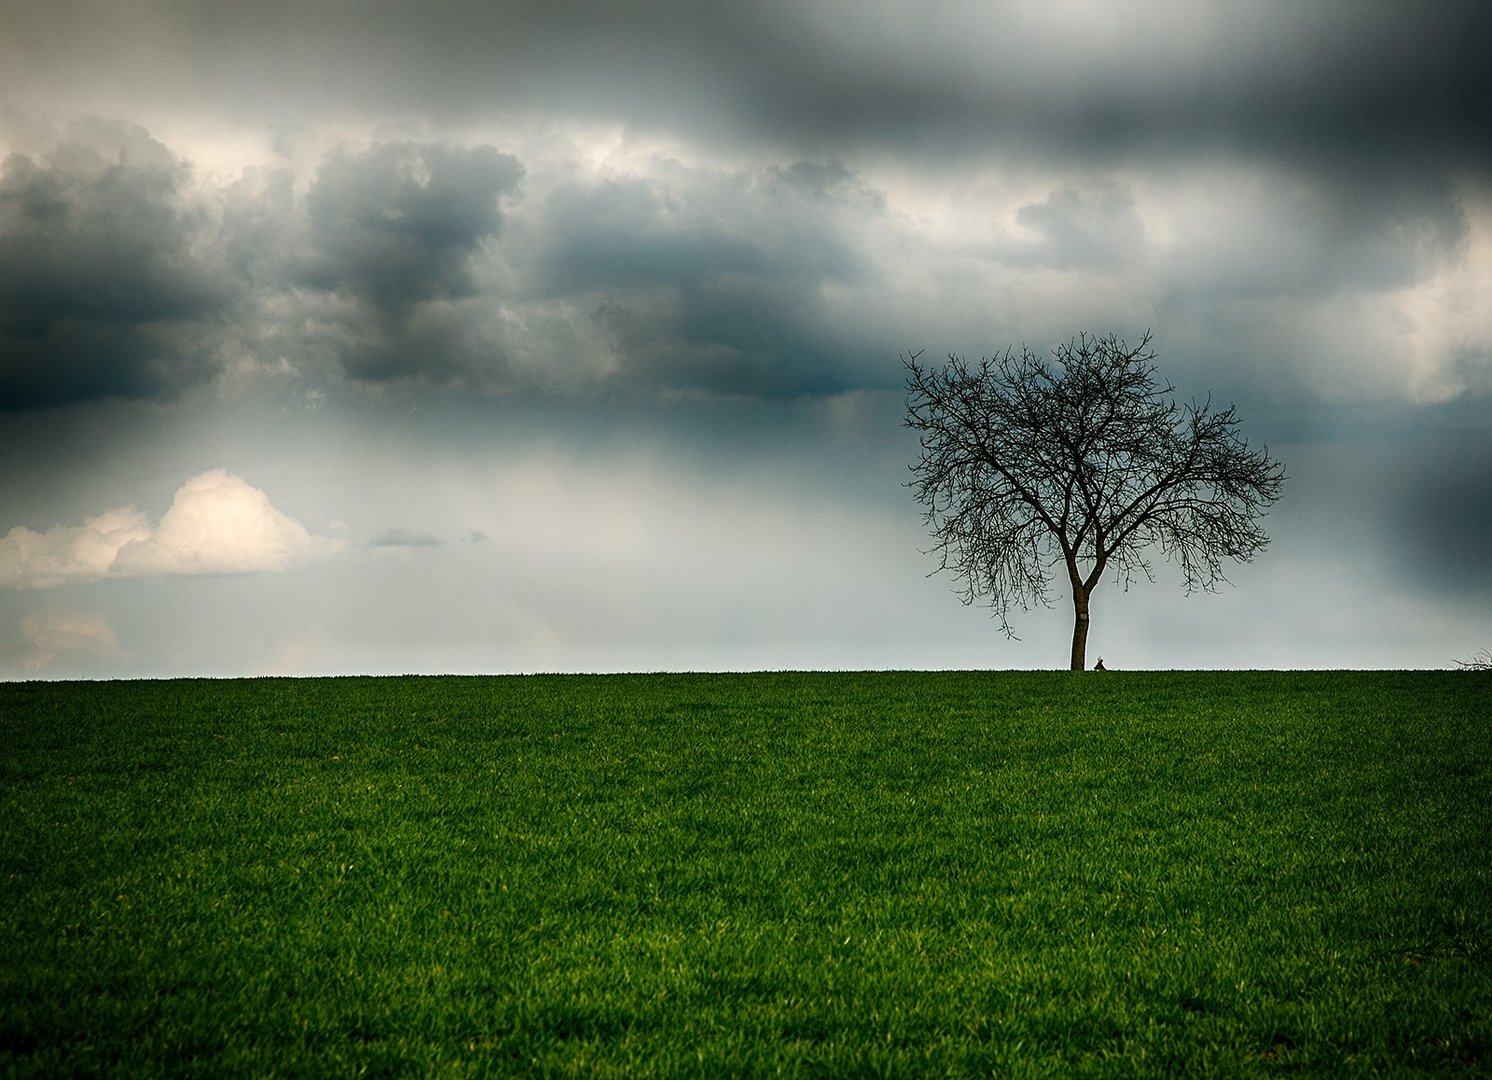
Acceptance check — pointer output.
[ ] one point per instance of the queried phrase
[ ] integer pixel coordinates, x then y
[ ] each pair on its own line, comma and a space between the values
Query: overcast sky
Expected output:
535, 335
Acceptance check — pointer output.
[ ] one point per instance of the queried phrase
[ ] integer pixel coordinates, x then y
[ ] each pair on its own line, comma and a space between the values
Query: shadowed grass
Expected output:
901, 874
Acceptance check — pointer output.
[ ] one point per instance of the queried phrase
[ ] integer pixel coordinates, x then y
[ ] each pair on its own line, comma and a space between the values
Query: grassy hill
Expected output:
881, 874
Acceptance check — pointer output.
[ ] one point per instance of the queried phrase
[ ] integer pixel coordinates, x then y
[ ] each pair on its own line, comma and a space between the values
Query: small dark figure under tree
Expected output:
1026, 467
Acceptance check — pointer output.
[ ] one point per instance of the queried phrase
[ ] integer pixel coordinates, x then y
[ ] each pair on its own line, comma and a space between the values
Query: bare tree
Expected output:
1027, 467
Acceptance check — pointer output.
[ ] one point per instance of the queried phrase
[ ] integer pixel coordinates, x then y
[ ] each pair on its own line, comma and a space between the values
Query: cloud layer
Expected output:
761, 201
217, 524
939, 82
381, 255
102, 293
407, 264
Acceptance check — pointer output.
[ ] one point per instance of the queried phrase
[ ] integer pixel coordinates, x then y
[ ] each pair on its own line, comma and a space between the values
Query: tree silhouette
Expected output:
1026, 467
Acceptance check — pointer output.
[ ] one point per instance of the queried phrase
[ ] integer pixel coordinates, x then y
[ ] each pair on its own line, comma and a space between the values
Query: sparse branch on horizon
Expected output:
1026, 467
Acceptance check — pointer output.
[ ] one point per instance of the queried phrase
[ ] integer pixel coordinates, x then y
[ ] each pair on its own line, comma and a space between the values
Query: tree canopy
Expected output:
1082, 466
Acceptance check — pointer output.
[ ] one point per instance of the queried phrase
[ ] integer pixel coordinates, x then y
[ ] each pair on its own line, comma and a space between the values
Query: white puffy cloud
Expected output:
218, 523
64, 553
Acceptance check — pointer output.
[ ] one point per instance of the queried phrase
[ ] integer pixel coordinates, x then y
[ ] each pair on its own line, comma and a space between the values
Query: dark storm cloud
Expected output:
395, 229
398, 223
693, 280
628, 232
711, 282
1368, 118
735, 339
1336, 83
957, 80
394, 265
102, 293
692, 225
113, 283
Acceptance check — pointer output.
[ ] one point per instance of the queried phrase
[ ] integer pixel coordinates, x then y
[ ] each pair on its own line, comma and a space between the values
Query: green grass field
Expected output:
916, 874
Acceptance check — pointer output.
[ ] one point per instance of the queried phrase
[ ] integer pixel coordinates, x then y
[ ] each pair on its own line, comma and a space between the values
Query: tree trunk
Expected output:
1079, 628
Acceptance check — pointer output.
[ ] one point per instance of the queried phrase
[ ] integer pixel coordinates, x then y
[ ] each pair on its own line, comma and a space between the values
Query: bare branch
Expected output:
1027, 466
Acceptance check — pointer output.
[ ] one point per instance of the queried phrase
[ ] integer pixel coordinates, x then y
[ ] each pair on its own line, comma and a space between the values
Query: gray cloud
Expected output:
630, 232
397, 224
101, 291
381, 279
388, 269
1093, 226
957, 79
263, 232
949, 76
403, 538
1365, 125
711, 282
